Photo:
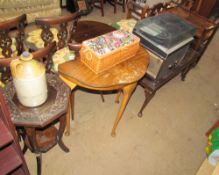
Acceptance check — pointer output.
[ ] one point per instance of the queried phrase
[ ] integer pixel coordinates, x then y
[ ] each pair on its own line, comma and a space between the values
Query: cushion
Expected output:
62, 56
125, 24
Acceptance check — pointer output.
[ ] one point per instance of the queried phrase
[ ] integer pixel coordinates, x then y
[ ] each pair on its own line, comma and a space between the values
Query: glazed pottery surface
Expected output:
29, 79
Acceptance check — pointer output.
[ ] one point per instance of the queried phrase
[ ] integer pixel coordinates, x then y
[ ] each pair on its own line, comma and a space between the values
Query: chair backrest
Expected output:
65, 32
186, 4
140, 11
44, 55
136, 10
201, 44
156, 9
11, 31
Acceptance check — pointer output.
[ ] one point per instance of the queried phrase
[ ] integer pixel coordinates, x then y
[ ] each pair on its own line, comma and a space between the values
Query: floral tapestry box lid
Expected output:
109, 42
105, 51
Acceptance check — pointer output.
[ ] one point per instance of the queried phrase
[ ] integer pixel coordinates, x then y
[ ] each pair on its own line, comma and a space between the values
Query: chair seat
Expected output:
125, 24
62, 56
34, 40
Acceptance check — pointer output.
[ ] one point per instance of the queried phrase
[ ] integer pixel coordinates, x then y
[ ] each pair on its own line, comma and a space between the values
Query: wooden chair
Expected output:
98, 4
44, 55
114, 3
136, 10
60, 29
11, 40
199, 46
156, 9
186, 4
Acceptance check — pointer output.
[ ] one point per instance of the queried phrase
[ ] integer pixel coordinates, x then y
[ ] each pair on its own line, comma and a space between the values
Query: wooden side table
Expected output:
38, 123
123, 76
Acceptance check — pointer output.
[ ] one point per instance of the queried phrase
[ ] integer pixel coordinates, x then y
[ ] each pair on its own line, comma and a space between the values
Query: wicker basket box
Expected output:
106, 51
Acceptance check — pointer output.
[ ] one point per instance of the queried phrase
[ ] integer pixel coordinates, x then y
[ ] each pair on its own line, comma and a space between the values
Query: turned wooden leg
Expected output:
148, 96
115, 4
102, 97
68, 117
62, 123
184, 72
101, 6
123, 5
39, 163
72, 87
72, 104
117, 96
127, 92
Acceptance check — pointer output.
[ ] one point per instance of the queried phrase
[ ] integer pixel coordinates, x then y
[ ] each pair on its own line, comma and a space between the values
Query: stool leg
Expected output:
123, 5
39, 163
184, 72
102, 97
101, 7
117, 96
72, 103
62, 123
148, 96
115, 3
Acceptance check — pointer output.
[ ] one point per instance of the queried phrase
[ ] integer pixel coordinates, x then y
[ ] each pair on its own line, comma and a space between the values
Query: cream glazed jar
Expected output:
29, 78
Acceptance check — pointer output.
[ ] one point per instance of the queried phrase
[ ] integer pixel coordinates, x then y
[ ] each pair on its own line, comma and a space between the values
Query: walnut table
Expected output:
123, 76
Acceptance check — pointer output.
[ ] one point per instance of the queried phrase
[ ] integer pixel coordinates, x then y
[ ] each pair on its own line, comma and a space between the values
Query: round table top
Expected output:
124, 73
40, 116
90, 29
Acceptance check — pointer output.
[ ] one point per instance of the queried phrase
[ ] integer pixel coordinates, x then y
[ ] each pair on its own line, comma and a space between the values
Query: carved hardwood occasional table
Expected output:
123, 76
38, 123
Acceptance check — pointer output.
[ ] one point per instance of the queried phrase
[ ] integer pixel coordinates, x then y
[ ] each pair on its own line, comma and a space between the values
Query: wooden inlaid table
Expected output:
123, 76
37, 124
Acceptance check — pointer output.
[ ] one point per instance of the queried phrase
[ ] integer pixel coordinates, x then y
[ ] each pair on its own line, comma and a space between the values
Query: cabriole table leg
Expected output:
127, 92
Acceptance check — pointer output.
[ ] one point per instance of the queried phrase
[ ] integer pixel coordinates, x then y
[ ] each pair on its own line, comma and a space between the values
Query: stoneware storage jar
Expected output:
29, 79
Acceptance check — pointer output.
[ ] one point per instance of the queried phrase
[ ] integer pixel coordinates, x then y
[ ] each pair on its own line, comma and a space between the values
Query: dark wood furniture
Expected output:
151, 87
11, 157
90, 29
37, 125
114, 3
156, 9
204, 8
60, 29
99, 4
87, 30
65, 32
140, 11
136, 10
205, 29
11, 42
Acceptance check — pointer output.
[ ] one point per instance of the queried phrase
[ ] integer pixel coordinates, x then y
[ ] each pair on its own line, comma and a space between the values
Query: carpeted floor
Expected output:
168, 140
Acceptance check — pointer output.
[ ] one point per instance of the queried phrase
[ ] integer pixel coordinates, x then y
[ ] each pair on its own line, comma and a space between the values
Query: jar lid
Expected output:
26, 56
